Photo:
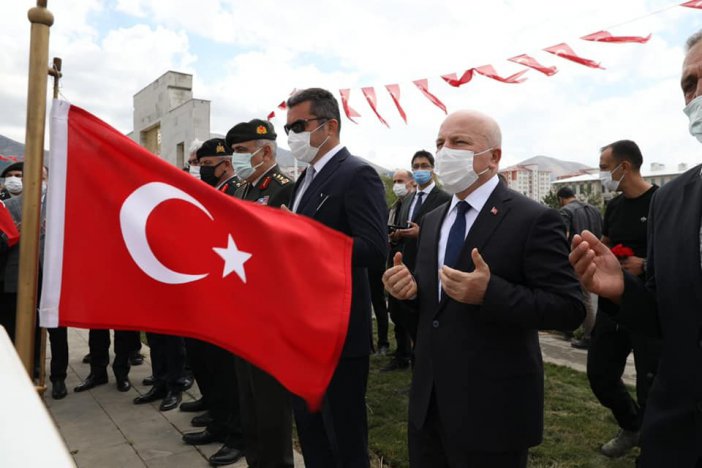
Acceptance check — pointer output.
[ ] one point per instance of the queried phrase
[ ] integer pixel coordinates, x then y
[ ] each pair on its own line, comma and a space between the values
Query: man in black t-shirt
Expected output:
624, 231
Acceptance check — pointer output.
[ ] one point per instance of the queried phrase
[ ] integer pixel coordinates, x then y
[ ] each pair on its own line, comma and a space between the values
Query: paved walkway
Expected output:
102, 428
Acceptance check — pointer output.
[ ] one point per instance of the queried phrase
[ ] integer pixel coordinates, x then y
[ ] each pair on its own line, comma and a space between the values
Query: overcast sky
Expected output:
247, 56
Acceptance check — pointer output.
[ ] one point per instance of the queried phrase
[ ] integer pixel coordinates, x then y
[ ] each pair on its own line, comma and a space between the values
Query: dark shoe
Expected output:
123, 384
136, 359
396, 364
226, 456
580, 344
86, 359
202, 420
202, 438
194, 406
170, 401
91, 381
152, 395
58, 390
185, 383
148, 380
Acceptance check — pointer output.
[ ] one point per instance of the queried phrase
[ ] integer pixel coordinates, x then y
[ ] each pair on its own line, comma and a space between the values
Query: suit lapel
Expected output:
493, 212
433, 232
310, 195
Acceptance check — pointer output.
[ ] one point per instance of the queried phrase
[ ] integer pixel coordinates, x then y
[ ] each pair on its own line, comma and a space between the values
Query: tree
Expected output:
551, 200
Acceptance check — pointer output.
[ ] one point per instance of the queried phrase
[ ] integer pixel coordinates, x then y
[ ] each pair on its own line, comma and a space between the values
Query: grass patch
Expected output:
575, 424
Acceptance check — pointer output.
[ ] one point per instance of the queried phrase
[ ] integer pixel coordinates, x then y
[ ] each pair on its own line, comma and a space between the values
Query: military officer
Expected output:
216, 168
266, 412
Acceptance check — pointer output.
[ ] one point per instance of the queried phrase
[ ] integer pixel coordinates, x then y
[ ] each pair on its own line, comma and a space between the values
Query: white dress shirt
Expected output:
476, 200
318, 166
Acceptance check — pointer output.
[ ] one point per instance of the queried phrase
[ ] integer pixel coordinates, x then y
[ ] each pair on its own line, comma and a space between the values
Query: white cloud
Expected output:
246, 58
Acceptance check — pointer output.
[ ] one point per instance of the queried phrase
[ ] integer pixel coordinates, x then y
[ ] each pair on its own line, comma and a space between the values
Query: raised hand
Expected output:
468, 288
398, 280
597, 268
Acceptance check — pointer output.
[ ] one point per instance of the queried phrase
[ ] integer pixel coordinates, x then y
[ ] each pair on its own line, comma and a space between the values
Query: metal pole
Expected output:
41, 20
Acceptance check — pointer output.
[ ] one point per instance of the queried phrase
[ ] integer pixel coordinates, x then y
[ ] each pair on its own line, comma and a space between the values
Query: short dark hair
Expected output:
626, 150
693, 40
323, 104
565, 193
423, 154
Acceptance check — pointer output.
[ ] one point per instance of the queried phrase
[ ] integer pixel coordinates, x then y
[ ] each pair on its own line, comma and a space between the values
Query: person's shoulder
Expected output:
522, 200
277, 178
440, 194
674, 187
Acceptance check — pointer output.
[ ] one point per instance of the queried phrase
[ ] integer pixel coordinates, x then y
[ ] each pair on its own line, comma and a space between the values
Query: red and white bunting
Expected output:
604, 36
454, 81
696, 4
423, 86
489, 72
531, 62
369, 93
394, 90
563, 50
348, 110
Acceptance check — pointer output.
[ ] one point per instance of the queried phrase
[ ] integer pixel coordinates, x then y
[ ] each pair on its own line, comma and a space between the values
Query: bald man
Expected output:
492, 270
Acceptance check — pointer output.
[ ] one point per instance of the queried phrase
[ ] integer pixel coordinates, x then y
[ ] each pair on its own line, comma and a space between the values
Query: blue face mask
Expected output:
421, 176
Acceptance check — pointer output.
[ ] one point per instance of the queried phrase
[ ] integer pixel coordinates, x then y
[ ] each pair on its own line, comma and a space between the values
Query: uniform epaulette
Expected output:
281, 179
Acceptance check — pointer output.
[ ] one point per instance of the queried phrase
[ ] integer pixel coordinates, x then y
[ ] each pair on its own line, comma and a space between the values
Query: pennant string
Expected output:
348, 110
369, 93
394, 90
423, 86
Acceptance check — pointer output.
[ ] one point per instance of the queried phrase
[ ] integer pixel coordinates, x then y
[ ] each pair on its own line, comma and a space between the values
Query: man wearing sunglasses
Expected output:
345, 193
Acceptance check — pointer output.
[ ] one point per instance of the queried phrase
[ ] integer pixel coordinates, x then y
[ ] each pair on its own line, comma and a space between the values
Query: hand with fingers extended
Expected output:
468, 288
597, 268
398, 280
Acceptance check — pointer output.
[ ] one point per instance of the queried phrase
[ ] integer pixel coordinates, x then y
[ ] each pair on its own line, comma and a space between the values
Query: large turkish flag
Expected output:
133, 242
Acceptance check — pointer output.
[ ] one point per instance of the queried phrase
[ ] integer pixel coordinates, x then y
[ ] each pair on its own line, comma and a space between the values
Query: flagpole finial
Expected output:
40, 15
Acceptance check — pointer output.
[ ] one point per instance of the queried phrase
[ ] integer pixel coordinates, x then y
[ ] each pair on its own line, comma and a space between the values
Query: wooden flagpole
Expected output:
41, 19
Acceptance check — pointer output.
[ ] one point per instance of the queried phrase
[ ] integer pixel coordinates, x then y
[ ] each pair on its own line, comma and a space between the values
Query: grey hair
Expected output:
270, 143
693, 40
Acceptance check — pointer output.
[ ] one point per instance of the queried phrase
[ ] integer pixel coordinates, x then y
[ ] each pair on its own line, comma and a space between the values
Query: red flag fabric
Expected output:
489, 71
8, 226
348, 110
159, 250
369, 93
394, 90
695, 4
531, 62
270, 115
563, 50
423, 86
454, 81
604, 36
283, 105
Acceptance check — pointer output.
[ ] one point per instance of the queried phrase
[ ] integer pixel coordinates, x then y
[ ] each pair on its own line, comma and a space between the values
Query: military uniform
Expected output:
230, 185
273, 189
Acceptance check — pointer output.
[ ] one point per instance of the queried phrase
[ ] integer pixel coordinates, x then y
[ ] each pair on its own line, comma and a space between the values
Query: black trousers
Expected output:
167, 360
606, 359
223, 399
432, 447
197, 352
401, 318
337, 436
58, 340
380, 308
126, 341
266, 416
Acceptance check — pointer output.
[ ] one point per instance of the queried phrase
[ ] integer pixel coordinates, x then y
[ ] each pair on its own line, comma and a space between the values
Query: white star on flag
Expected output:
234, 259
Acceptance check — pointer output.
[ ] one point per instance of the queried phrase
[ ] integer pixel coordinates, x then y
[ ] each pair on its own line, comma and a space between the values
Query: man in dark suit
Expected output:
427, 197
346, 194
669, 302
492, 269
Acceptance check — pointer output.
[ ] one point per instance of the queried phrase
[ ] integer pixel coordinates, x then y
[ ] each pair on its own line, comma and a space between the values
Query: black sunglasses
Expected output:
300, 125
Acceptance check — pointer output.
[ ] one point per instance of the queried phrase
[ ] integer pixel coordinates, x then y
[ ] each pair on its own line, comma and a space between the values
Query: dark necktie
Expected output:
457, 235
415, 210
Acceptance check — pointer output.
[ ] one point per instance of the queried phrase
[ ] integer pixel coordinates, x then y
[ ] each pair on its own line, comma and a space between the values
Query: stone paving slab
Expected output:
103, 428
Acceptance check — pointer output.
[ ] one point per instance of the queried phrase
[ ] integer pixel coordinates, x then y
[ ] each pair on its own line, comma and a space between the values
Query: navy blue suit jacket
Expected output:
348, 195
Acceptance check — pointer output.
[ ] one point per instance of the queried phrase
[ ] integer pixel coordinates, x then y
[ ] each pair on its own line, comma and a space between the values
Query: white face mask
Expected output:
608, 183
242, 164
194, 171
300, 146
399, 189
455, 168
694, 113
13, 185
